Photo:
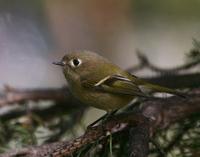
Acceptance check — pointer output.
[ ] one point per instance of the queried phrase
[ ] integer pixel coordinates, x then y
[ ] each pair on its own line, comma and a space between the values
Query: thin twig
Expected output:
12, 95
145, 63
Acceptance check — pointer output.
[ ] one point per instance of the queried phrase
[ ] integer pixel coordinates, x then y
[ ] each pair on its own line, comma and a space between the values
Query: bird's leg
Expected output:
103, 118
96, 121
109, 114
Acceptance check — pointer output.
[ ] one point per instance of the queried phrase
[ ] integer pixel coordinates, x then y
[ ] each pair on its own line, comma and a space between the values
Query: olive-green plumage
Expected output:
97, 82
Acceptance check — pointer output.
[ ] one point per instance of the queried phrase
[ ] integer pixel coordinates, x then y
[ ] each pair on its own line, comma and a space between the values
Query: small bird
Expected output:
97, 82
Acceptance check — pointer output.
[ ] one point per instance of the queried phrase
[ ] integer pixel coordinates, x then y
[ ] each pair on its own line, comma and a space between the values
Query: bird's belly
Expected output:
104, 101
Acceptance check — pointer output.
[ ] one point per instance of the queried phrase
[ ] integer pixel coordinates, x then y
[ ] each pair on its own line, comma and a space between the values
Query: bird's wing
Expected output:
115, 84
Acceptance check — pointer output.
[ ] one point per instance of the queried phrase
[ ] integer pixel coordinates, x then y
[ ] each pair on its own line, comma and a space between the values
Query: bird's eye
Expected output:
75, 62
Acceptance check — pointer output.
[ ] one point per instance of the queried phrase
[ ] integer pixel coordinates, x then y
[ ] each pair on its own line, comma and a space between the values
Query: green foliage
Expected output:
15, 135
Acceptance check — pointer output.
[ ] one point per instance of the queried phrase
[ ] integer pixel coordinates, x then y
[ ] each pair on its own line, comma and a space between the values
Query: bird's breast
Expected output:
101, 100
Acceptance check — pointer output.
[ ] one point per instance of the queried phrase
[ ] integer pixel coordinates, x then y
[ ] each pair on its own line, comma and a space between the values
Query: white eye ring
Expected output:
75, 62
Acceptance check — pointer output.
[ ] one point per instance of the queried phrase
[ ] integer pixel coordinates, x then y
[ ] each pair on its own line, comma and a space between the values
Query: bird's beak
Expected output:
59, 63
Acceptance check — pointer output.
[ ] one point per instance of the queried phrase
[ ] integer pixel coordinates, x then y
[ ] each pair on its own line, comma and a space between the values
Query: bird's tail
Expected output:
157, 88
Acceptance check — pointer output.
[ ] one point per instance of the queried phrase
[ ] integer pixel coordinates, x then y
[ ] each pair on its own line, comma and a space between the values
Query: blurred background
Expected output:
35, 33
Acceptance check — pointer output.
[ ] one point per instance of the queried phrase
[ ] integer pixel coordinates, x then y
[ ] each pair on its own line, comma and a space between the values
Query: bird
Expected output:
97, 82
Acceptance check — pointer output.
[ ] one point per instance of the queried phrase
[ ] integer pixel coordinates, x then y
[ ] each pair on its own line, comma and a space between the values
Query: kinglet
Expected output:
97, 82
